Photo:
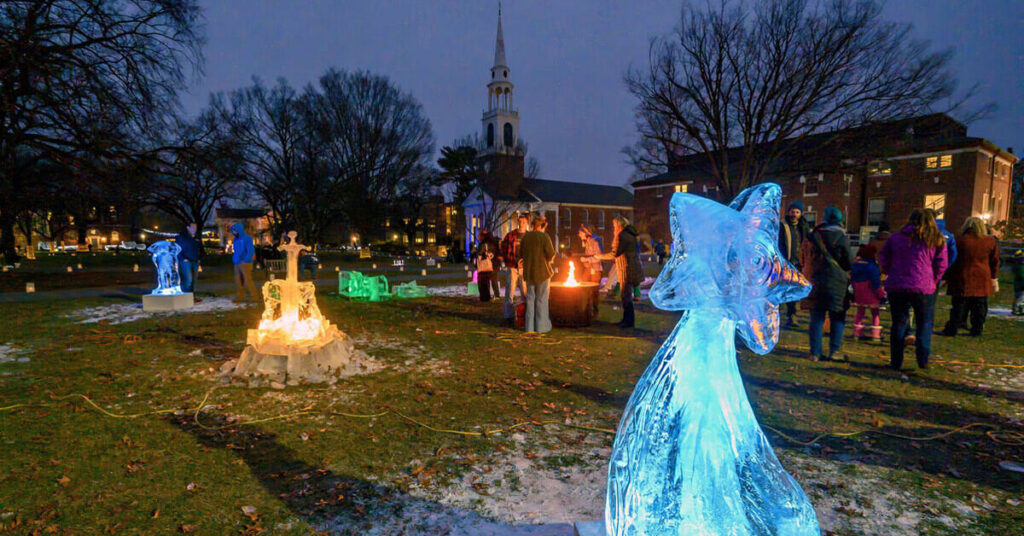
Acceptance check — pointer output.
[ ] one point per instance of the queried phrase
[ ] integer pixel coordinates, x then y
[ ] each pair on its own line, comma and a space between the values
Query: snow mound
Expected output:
120, 313
10, 353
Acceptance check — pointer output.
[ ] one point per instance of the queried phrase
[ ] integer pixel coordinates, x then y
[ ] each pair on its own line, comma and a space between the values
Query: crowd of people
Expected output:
901, 271
525, 257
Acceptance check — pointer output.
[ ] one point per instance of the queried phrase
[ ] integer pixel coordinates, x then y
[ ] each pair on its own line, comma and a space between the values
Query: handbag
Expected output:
483, 264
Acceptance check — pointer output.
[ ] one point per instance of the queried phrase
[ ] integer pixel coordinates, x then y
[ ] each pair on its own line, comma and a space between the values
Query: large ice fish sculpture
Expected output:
689, 457
165, 257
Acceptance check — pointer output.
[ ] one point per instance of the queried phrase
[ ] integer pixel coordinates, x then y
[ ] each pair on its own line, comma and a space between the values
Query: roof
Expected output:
578, 193
499, 46
241, 213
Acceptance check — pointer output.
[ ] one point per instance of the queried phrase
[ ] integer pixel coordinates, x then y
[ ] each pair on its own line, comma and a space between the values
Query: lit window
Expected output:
931, 162
682, 188
431, 238
936, 202
946, 161
939, 162
115, 236
880, 168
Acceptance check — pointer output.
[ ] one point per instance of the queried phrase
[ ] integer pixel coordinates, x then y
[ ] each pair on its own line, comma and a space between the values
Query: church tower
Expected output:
500, 119
502, 157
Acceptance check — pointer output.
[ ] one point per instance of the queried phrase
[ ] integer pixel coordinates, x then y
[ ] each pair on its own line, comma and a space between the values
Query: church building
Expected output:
505, 191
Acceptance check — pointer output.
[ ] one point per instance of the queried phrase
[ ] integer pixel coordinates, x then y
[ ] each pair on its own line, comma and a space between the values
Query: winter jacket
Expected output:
191, 249
866, 278
242, 245
592, 252
510, 247
627, 257
537, 252
978, 264
829, 279
910, 265
950, 242
487, 249
791, 238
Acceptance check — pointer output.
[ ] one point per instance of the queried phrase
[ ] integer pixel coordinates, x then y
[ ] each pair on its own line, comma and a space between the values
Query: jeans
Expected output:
816, 329
513, 280
243, 281
189, 272
900, 305
628, 316
537, 318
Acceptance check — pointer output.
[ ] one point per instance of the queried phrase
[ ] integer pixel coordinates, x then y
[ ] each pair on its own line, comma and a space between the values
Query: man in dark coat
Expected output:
825, 257
188, 257
792, 232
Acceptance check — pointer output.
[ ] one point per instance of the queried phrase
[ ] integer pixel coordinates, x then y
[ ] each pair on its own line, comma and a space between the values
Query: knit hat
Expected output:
833, 216
799, 205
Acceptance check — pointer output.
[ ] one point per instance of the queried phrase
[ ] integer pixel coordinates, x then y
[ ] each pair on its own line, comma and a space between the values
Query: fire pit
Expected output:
571, 303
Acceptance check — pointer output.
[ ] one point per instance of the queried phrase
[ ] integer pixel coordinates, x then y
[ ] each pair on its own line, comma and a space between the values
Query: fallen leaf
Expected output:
63, 481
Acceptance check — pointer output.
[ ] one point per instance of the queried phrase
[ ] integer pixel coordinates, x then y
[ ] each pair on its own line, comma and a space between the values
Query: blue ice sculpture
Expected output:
165, 257
689, 457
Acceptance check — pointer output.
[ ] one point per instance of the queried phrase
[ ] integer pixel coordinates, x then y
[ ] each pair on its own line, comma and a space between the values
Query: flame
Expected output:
571, 280
291, 329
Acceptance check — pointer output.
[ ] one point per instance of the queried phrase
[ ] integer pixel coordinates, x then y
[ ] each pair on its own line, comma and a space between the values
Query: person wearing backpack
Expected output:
825, 261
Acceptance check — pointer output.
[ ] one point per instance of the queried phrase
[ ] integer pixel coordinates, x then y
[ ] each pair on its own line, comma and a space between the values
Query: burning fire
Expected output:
571, 280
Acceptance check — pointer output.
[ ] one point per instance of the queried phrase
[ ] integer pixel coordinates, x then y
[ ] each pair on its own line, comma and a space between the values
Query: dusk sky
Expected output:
567, 60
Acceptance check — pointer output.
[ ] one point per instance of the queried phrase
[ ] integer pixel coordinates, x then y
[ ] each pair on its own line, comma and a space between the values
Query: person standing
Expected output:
242, 254
486, 256
973, 277
868, 294
825, 260
509, 252
913, 260
792, 232
1017, 269
189, 256
536, 254
626, 254
590, 269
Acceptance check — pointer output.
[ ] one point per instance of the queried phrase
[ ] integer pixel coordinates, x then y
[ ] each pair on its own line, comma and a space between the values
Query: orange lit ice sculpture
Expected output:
571, 280
294, 343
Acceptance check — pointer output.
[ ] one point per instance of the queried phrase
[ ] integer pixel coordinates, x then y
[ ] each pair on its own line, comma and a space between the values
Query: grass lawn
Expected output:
450, 364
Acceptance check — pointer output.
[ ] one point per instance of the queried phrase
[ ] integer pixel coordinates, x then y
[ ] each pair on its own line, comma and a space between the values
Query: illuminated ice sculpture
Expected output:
165, 257
167, 296
294, 343
689, 457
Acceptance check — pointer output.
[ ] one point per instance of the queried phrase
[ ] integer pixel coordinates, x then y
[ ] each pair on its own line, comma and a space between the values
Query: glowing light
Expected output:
571, 280
689, 456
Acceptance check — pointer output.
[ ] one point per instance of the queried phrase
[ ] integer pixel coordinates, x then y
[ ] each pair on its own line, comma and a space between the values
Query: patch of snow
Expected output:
120, 313
1003, 313
449, 291
11, 353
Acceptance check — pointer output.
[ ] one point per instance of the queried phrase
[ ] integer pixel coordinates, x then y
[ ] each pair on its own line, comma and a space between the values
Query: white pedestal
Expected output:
589, 528
173, 302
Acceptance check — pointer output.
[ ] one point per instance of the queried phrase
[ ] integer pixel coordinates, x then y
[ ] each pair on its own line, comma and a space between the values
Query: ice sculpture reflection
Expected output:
165, 257
689, 457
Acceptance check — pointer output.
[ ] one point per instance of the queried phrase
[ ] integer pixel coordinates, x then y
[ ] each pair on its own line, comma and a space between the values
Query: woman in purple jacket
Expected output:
913, 259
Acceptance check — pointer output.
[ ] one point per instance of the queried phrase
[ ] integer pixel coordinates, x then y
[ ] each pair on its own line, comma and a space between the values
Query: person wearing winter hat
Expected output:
792, 232
825, 258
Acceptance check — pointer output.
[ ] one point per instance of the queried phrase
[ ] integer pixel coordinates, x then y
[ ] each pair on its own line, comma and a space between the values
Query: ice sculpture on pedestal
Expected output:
165, 257
689, 457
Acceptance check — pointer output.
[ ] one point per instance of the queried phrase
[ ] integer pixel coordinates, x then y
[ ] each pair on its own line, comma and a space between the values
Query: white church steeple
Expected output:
500, 119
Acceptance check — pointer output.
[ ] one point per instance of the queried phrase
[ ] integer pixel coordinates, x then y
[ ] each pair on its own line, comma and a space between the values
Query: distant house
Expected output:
505, 192
255, 220
874, 174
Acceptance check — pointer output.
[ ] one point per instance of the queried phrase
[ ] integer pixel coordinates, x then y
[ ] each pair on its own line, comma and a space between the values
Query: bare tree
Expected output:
745, 83
71, 70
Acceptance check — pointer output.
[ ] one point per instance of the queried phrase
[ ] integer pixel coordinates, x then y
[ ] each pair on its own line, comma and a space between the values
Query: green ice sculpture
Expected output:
409, 290
689, 457
358, 286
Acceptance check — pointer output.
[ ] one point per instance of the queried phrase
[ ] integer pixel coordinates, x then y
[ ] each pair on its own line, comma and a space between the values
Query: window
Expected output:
936, 202
510, 140
431, 238
682, 188
659, 192
600, 220
490, 134
847, 181
876, 211
810, 185
879, 168
115, 236
944, 161
566, 219
584, 217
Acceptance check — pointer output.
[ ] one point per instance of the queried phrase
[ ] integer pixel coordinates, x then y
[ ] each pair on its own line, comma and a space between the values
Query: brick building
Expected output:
505, 192
873, 174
